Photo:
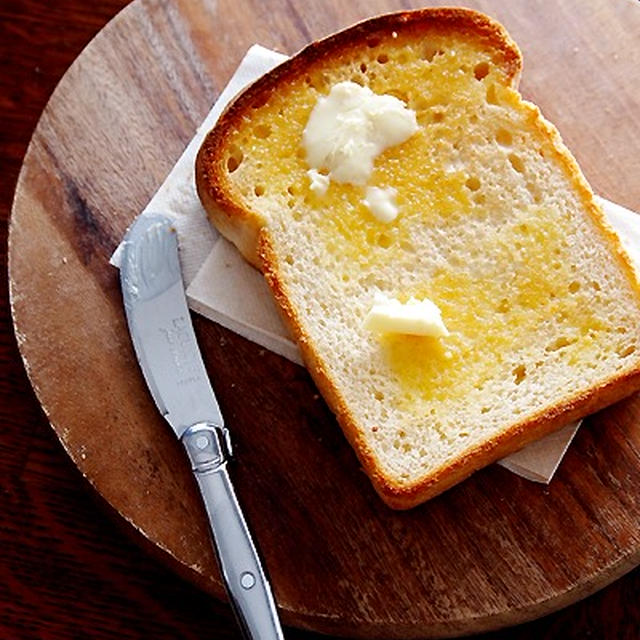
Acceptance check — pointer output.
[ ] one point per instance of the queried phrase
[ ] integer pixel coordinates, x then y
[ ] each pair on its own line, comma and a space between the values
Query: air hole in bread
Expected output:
383, 58
291, 204
504, 137
574, 287
259, 190
559, 343
291, 190
534, 192
485, 410
481, 70
430, 52
519, 373
516, 162
472, 183
504, 306
235, 159
262, 131
363, 67
627, 351
437, 116
385, 240
479, 198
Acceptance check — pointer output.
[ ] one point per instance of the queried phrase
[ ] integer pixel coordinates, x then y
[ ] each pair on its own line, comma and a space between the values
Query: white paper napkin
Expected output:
225, 289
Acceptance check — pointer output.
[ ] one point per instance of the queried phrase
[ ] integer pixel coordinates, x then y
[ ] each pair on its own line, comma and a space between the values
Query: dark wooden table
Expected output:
67, 566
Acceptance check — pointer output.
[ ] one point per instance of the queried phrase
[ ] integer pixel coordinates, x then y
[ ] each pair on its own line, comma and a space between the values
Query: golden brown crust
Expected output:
247, 230
242, 226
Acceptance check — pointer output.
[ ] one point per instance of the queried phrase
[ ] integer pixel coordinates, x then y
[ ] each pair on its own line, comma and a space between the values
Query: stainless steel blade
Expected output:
160, 325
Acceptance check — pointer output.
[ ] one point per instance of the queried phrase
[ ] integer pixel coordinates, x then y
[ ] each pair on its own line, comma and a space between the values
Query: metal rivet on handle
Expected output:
247, 580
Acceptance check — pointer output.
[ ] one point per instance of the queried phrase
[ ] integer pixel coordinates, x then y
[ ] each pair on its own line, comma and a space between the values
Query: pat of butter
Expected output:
381, 203
414, 317
350, 127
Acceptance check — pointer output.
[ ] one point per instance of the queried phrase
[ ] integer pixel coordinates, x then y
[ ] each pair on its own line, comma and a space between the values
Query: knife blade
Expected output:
169, 357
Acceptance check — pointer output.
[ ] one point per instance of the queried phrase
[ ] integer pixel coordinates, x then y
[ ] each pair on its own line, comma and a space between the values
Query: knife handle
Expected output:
248, 588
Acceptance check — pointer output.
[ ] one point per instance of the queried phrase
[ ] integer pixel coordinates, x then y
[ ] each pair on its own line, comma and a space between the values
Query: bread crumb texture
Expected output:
494, 226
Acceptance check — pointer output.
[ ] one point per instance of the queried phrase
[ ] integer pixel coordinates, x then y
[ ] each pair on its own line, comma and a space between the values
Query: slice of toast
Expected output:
496, 225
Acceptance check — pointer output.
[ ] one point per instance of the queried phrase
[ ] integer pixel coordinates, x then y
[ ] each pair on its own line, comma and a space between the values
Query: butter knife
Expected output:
168, 354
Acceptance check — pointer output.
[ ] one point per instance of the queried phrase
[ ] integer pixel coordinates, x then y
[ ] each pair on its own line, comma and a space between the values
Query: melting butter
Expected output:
350, 127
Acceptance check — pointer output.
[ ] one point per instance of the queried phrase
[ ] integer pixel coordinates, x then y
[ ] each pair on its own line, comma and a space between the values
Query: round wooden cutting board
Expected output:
495, 550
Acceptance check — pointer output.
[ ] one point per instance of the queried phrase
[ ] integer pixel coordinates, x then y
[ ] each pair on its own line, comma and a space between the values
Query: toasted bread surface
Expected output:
496, 225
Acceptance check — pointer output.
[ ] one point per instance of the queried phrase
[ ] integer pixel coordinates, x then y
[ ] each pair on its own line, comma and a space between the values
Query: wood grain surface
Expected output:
494, 551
